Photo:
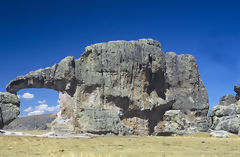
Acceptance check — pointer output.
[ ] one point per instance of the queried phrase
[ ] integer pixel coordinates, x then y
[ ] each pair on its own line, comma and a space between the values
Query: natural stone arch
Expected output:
59, 77
124, 87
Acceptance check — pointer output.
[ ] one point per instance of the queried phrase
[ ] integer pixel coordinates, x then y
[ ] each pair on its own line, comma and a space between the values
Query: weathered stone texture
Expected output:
9, 108
226, 115
124, 87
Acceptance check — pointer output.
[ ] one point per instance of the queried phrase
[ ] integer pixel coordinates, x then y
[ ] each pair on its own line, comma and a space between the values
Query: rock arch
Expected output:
124, 87
59, 77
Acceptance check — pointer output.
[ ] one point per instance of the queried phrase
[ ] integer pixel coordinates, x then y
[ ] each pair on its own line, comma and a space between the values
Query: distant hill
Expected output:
38, 122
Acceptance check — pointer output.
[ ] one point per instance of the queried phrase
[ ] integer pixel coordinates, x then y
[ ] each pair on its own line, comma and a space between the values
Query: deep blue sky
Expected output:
36, 34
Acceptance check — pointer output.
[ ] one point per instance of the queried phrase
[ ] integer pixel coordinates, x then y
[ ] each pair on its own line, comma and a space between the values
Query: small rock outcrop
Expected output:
237, 90
9, 108
124, 87
220, 134
226, 115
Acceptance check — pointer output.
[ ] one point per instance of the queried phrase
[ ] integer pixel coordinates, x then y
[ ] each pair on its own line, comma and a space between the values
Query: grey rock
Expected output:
227, 100
9, 108
220, 134
124, 87
181, 122
237, 96
226, 115
221, 111
230, 124
184, 83
237, 90
59, 77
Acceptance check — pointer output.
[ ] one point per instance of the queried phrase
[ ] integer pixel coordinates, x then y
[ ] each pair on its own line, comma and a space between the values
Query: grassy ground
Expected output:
199, 145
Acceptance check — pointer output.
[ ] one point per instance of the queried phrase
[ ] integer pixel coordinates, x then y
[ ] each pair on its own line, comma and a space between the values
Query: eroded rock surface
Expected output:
226, 115
124, 87
9, 108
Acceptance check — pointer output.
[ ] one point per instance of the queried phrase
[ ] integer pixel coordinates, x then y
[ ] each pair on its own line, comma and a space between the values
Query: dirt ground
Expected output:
199, 145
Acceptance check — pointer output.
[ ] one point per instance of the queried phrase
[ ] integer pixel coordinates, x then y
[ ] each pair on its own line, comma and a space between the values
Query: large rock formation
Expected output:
9, 108
124, 87
226, 115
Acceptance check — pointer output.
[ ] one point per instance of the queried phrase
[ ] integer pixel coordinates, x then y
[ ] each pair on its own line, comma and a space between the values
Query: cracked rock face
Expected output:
9, 108
124, 87
226, 115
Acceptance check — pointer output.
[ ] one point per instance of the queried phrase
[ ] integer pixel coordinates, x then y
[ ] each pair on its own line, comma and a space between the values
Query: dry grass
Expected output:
199, 145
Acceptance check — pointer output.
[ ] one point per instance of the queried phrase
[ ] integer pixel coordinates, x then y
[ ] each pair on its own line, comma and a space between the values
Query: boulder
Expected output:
9, 108
220, 134
180, 122
230, 124
226, 115
225, 118
227, 100
124, 87
237, 90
